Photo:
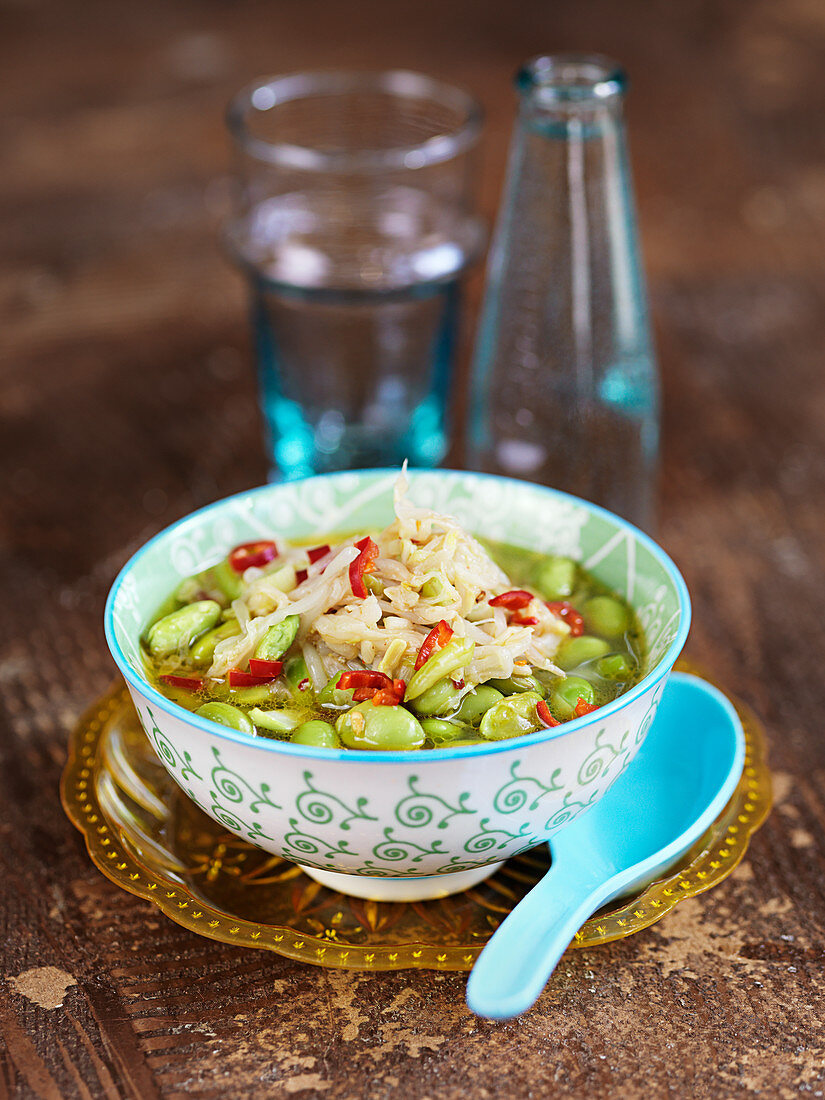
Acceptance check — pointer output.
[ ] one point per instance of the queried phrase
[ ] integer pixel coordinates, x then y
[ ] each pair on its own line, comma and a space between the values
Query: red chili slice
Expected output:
189, 683
239, 679
250, 554
436, 639
385, 698
316, 553
361, 565
544, 714
360, 695
300, 576
363, 678
428, 648
570, 615
583, 707
524, 620
400, 688
513, 600
259, 667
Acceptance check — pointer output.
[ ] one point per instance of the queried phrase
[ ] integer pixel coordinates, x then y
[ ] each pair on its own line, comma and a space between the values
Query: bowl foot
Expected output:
421, 888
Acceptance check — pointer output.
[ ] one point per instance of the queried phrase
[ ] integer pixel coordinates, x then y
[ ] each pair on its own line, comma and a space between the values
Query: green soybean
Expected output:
228, 580
516, 684
379, 728
441, 698
283, 578
226, 715
606, 616
170, 604
374, 585
182, 696
278, 639
176, 631
556, 578
575, 651
476, 703
219, 582
567, 693
203, 651
315, 732
297, 674
243, 696
436, 588
331, 695
615, 666
512, 717
456, 654
440, 730
281, 721
189, 589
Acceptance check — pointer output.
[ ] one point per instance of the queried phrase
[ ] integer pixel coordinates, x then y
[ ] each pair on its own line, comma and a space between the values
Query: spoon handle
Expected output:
513, 968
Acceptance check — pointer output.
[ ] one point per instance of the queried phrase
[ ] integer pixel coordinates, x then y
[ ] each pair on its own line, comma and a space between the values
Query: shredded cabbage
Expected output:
428, 569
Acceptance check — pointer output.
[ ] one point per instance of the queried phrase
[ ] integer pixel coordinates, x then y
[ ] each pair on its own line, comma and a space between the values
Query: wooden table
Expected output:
127, 400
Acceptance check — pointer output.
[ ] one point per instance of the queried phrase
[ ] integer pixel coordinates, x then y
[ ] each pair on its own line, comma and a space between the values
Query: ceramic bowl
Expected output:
402, 825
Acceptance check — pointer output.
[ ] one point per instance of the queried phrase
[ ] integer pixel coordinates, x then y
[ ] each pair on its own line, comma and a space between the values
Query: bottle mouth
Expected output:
571, 78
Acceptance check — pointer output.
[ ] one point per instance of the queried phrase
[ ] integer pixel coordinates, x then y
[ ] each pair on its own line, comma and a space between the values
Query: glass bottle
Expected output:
564, 385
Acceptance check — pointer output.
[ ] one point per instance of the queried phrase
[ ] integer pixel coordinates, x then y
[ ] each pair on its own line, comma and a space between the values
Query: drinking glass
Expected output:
354, 224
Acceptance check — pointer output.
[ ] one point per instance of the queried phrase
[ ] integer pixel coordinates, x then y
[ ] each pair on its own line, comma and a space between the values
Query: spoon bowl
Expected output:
685, 772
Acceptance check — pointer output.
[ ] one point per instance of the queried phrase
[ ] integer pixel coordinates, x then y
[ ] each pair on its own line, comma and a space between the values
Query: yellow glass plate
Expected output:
145, 835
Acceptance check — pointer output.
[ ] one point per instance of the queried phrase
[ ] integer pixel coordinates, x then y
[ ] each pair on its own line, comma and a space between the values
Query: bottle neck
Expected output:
567, 95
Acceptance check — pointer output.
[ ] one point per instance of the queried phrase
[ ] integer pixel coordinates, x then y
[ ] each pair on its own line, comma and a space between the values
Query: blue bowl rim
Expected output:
431, 756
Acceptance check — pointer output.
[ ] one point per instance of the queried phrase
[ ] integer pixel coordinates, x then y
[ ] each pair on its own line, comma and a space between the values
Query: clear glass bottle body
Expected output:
564, 382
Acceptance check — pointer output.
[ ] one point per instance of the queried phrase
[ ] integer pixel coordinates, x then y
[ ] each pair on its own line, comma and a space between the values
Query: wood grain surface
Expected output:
127, 399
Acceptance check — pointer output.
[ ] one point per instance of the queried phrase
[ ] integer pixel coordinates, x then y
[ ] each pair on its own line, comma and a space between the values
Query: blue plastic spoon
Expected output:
680, 781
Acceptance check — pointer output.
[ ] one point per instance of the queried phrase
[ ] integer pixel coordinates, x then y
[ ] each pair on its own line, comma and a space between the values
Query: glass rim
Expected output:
572, 77
265, 94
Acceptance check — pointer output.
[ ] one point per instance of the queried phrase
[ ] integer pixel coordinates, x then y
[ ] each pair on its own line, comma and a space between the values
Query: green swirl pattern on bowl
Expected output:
432, 817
